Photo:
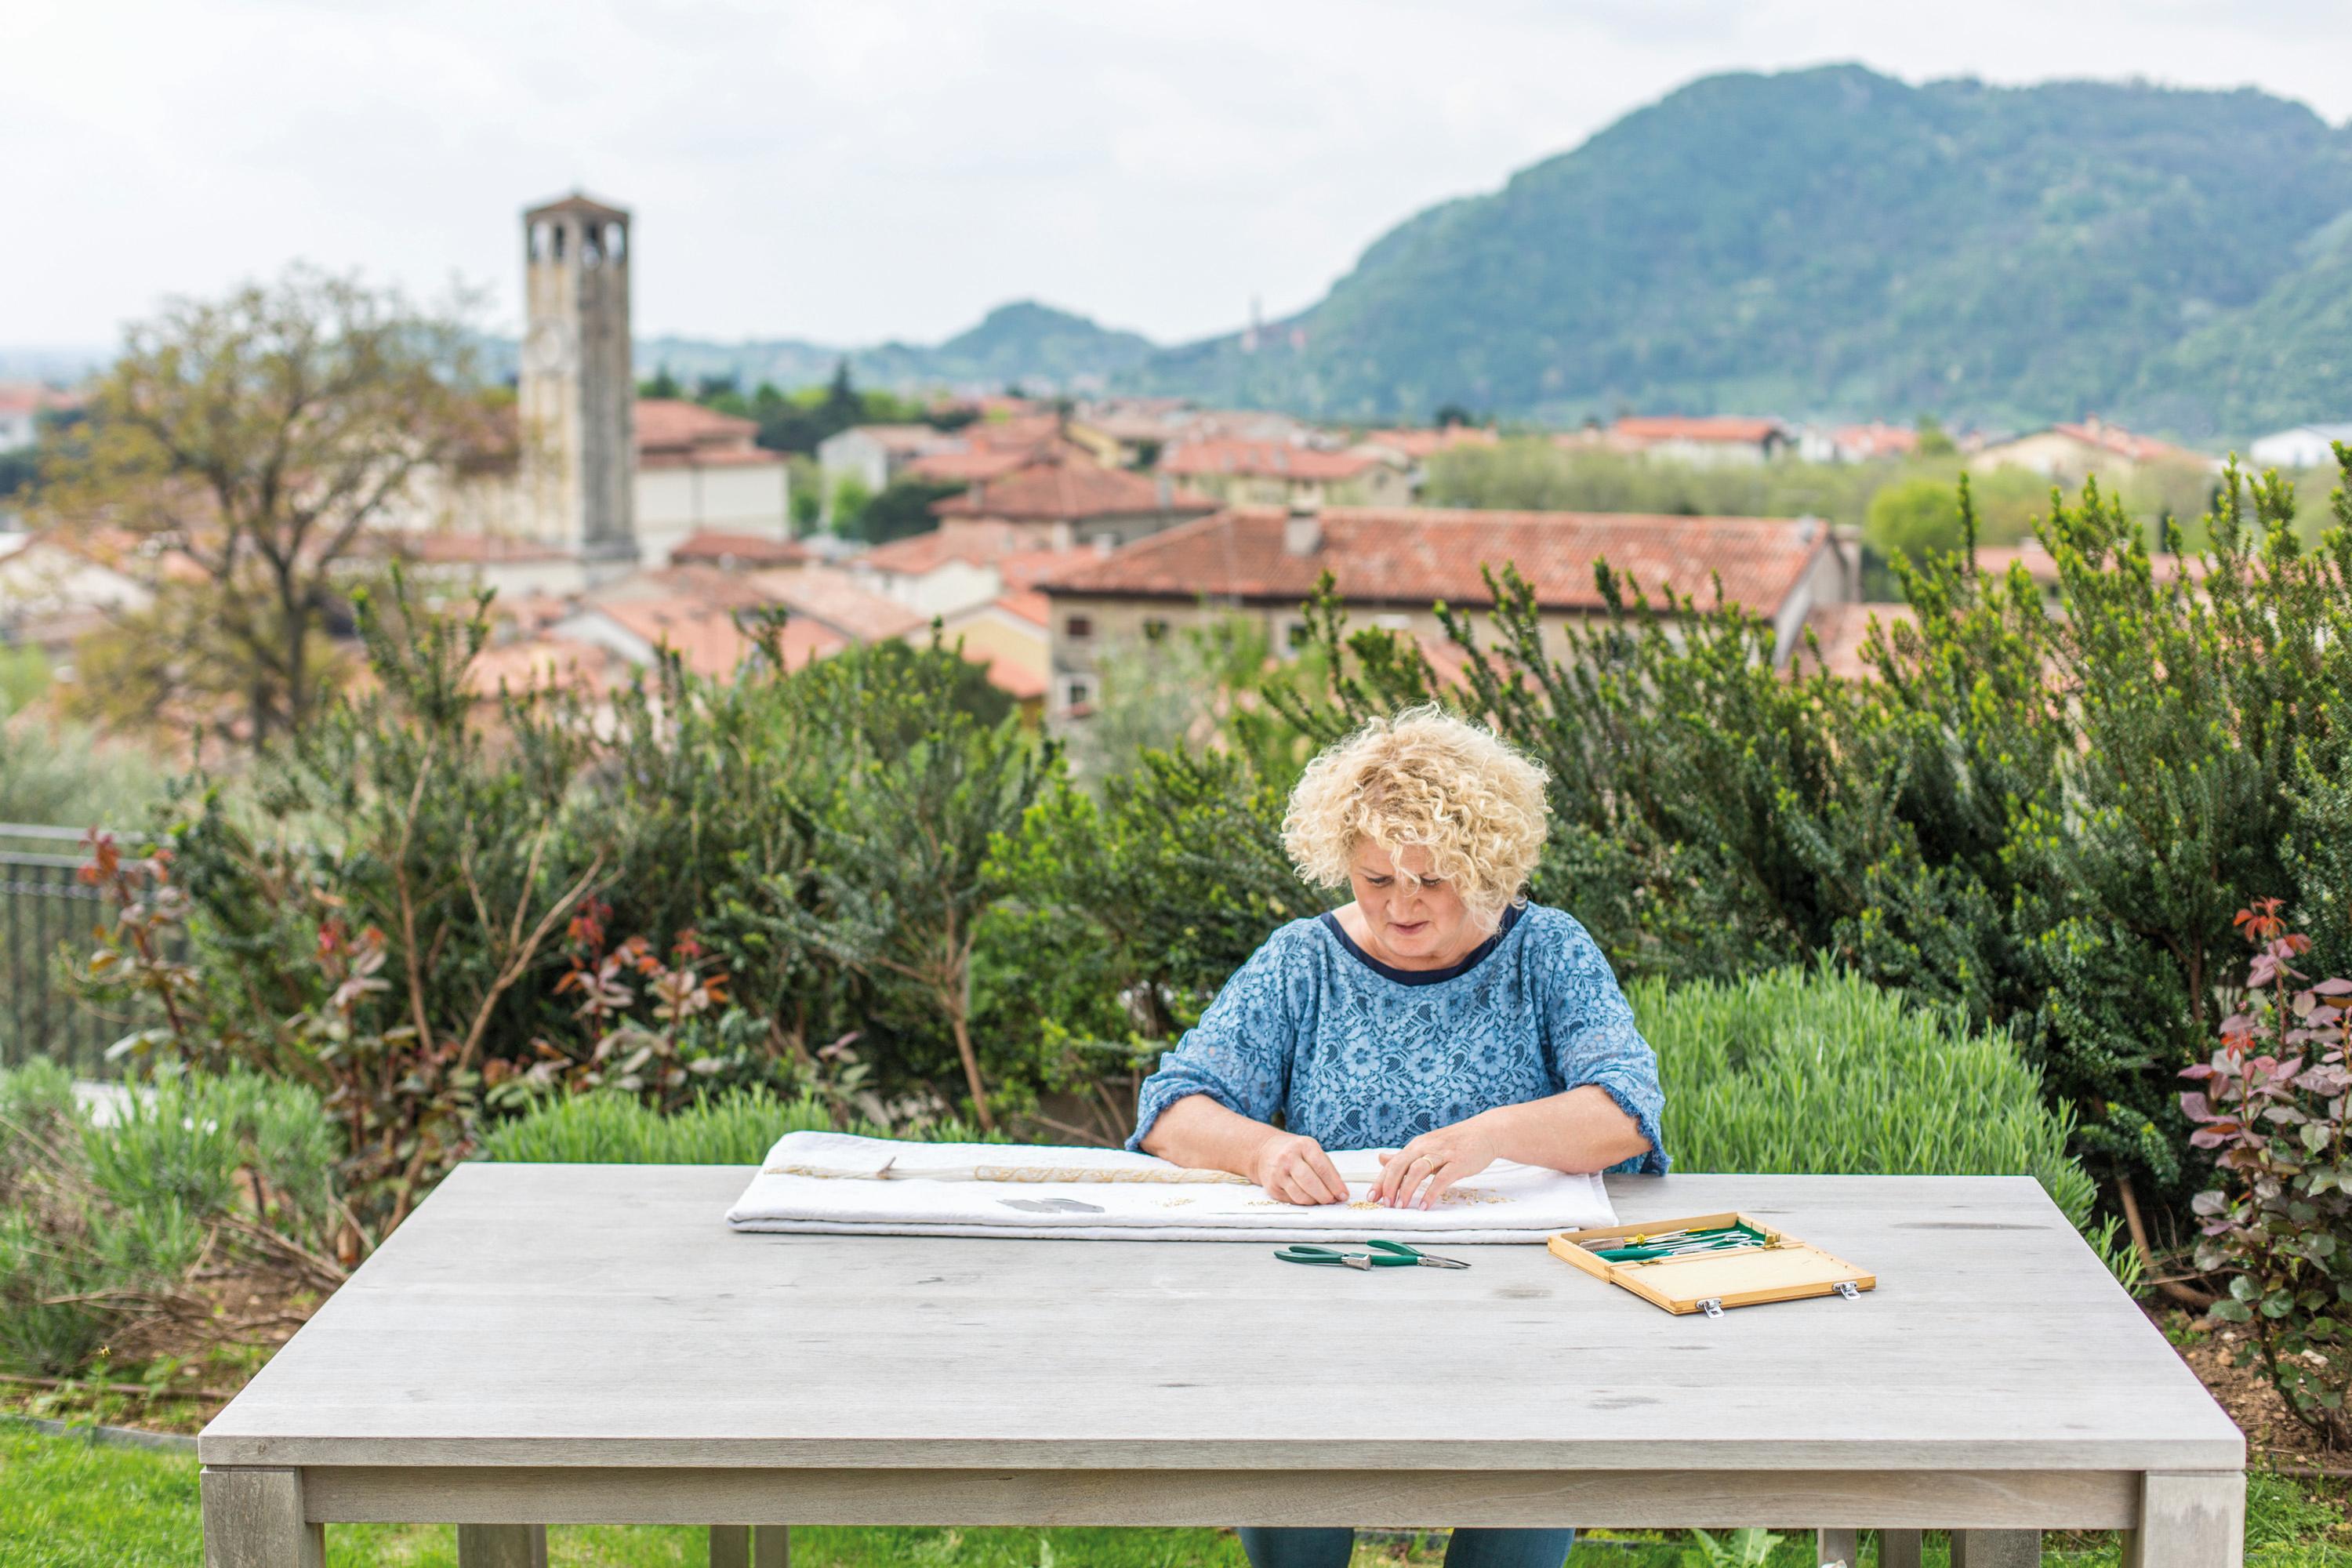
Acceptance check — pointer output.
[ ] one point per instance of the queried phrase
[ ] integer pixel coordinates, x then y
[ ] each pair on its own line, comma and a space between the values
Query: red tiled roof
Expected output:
1417, 444
1267, 460
707, 638
25, 397
1841, 630
1028, 603
718, 547
703, 584
439, 547
965, 466
1068, 489
900, 440
1031, 567
1876, 440
2123, 444
1709, 428
1414, 555
831, 596
1995, 559
674, 422
976, 541
538, 663
1010, 676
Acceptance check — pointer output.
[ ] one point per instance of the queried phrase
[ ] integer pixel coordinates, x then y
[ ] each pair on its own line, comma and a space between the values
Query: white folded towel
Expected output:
834, 1185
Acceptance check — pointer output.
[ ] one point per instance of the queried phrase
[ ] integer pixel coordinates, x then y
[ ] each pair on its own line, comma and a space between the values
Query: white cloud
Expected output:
894, 167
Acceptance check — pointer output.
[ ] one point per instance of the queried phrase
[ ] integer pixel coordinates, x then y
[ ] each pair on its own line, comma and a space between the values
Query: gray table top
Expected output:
604, 1315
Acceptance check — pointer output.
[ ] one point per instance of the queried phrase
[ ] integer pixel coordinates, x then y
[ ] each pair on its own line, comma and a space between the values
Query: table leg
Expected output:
2189, 1516
502, 1546
1898, 1549
1996, 1548
1837, 1548
750, 1546
253, 1519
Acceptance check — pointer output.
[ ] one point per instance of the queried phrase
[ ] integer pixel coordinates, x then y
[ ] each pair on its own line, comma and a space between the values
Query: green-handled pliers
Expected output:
1384, 1255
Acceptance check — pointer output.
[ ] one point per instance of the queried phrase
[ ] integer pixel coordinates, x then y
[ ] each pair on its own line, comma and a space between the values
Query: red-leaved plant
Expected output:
2273, 1101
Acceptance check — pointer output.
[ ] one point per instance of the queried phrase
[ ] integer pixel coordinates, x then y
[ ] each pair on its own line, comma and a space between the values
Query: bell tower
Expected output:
578, 392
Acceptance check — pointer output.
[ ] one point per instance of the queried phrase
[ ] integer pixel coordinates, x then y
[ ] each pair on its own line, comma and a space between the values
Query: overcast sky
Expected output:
851, 170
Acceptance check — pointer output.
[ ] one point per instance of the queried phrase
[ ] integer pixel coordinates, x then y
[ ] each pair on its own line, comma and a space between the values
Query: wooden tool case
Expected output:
1785, 1269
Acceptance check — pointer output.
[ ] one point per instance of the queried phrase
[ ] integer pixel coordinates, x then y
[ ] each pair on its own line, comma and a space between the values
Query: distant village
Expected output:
612, 525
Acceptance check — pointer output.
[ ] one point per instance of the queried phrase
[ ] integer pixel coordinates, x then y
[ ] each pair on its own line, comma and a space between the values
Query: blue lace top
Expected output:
1357, 1054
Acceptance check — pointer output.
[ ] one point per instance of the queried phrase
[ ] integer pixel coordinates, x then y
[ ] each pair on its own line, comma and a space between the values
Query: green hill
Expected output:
1835, 242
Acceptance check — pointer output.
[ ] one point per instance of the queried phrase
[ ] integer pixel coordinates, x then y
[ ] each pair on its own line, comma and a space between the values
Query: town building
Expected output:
874, 454
1276, 473
1391, 565
1720, 440
698, 469
2303, 446
22, 405
1062, 499
1870, 443
2069, 454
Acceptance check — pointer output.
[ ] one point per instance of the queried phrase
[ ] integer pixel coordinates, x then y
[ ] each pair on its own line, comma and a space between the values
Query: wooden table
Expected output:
589, 1343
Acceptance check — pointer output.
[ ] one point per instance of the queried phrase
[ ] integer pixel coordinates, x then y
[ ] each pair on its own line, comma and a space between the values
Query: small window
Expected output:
1297, 634
540, 240
1078, 627
616, 242
555, 250
1079, 694
1154, 629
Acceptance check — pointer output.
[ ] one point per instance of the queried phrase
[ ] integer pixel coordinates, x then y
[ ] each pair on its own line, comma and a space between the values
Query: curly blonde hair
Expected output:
1429, 780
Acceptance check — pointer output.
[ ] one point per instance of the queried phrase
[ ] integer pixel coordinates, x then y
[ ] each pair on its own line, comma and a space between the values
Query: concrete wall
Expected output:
674, 501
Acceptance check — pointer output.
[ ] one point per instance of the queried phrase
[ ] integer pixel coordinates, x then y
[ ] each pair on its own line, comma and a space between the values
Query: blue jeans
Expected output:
1328, 1547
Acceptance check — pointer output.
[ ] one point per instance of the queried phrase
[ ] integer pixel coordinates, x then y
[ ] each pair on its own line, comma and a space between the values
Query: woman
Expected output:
1439, 1016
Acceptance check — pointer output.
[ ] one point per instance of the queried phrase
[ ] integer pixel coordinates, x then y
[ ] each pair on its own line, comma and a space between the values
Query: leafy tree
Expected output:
850, 497
903, 508
256, 438
1935, 441
662, 386
1915, 519
901, 881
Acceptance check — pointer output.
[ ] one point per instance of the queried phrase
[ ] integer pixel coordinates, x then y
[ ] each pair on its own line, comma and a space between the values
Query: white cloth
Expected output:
832, 1184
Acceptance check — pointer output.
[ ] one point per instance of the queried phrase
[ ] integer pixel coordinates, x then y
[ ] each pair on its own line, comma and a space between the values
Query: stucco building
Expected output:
1391, 565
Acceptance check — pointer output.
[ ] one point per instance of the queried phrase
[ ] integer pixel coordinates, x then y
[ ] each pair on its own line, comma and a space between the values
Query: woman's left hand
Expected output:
1418, 1174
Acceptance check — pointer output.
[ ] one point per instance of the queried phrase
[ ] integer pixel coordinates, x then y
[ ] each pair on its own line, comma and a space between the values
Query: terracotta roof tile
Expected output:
1028, 603
1419, 444
1414, 555
832, 597
1269, 459
718, 547
1708, 427
1840, 630
976, 541
709, 638
1031, 567
2124, 443
1068, 489
674, 422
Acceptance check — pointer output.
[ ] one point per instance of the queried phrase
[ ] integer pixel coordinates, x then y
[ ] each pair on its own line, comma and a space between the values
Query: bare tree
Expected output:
242, 447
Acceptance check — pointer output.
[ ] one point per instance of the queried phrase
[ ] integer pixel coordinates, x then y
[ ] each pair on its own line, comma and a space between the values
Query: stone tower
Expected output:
579, 390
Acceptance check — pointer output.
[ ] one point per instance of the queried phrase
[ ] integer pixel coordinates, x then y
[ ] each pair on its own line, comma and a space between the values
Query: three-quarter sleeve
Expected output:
1595, 1041
1239, 1053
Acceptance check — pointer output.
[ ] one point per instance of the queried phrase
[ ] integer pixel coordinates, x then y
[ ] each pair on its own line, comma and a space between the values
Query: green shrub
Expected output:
102, 1227
736, 1128
1806, 1071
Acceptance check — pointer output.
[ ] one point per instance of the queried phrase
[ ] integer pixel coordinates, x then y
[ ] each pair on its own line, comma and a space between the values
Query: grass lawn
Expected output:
66, 1504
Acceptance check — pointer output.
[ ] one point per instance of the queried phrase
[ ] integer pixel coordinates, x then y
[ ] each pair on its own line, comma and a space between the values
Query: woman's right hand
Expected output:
1296, 1170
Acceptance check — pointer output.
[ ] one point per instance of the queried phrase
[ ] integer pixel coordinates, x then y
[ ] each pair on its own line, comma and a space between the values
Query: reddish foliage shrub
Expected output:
2272, 1101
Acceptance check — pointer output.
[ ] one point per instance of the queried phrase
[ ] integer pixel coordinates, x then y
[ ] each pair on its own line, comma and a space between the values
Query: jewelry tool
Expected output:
1384, 1255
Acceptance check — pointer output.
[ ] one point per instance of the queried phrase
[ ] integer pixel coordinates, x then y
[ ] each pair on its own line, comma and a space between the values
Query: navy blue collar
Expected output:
1476, 956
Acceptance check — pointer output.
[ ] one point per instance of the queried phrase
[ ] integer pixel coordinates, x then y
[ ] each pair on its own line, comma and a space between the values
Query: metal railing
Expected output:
44, 909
